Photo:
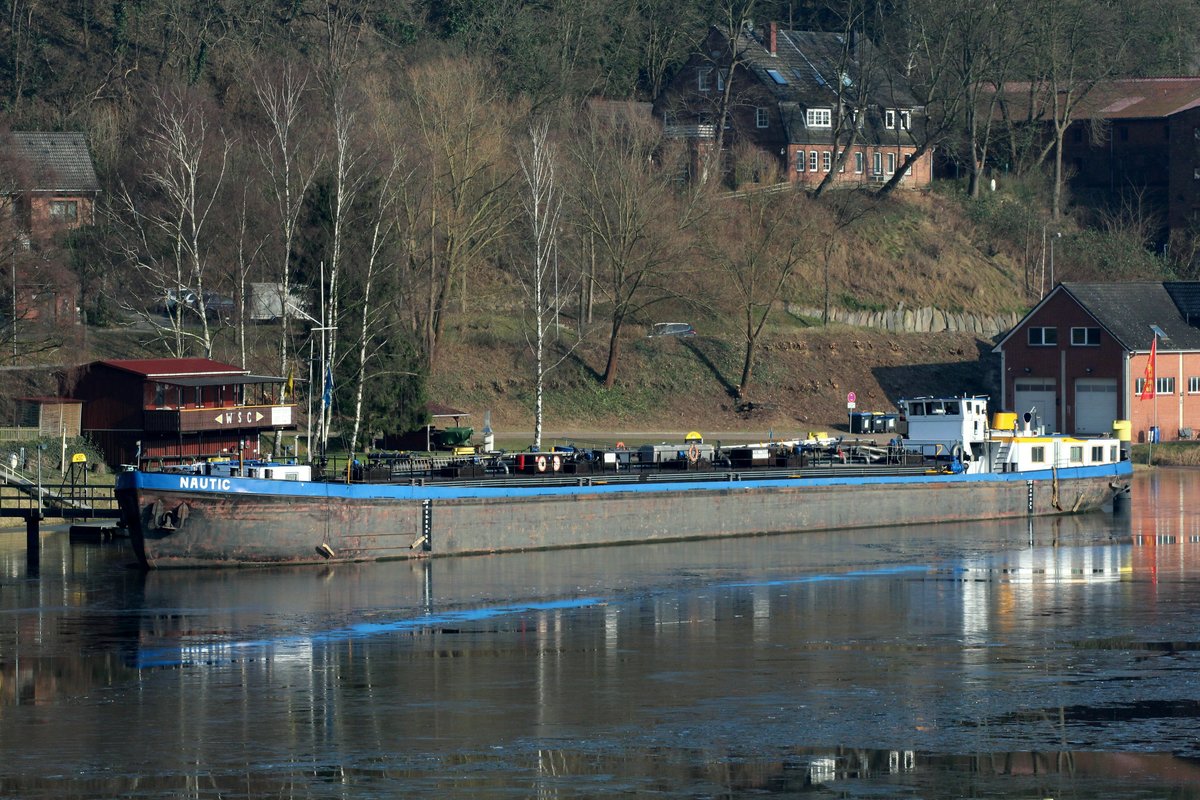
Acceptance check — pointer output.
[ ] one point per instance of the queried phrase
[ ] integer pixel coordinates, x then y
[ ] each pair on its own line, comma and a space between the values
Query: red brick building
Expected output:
799, 98
1076, 361
155, 412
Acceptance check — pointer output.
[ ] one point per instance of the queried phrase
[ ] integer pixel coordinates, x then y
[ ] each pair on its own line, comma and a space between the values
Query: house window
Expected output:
905, 120
877, 163
704, 79
799, 161
858, 162
826, 160
760, 118
1194, 384
889, 119
64, 210
842, 164
812, 160
1037, 454
1164, 386
720, 80
891, 161
160, 395
1043, 337
1085, 337
819, 118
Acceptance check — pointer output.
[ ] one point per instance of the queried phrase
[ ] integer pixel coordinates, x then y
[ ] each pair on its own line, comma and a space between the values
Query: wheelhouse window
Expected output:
819, 118
1077, 454
1097, 454
1037, 454
1043, 337
1085, 337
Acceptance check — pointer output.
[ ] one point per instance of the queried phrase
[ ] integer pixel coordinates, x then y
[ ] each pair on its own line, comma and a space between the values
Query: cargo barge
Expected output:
951, 465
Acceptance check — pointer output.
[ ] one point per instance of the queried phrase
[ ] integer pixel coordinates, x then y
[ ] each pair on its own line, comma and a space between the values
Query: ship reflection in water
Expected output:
1051, 659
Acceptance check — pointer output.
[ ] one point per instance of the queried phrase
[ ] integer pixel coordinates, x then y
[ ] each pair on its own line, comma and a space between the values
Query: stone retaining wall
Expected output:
918, 320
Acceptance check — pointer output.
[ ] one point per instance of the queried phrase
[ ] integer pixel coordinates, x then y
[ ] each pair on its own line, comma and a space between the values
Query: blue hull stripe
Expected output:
170, 482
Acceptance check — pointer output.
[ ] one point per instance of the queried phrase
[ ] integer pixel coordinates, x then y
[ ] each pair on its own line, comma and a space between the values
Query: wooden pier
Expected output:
34, 502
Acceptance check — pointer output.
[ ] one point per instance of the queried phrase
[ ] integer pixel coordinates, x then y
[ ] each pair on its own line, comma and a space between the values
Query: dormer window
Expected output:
819, 118
890, 117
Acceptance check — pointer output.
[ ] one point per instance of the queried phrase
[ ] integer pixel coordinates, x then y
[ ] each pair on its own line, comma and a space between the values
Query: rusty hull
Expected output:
187, 529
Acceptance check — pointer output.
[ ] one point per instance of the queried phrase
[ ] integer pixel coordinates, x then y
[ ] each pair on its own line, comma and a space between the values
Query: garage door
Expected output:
1036, 396
1095, 405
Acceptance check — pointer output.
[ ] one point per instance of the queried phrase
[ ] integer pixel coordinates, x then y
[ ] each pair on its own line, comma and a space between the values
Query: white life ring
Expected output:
541, 463
556, 463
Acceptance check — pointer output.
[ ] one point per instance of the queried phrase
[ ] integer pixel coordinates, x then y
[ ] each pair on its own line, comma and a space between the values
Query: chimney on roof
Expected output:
772, 36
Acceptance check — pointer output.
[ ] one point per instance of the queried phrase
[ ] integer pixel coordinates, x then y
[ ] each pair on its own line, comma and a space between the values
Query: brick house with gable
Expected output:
1077, 360
793, 92
49, 186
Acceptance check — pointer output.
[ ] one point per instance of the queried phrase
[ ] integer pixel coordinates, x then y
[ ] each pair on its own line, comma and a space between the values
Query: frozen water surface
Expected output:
1052, 659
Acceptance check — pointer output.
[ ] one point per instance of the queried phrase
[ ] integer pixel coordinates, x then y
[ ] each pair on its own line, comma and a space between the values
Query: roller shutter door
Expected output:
1095, 405
1036, 396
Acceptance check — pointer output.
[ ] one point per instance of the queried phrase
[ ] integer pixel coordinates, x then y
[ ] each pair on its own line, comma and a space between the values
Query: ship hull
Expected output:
186, 521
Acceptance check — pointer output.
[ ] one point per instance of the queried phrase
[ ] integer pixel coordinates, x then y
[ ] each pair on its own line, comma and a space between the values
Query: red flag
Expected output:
1148, 387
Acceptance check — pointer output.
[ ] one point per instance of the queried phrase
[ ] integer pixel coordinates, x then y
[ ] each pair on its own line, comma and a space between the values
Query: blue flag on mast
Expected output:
327, 398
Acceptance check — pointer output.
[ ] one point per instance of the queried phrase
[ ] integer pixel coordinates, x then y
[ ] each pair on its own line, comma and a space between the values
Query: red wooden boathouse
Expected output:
161, 411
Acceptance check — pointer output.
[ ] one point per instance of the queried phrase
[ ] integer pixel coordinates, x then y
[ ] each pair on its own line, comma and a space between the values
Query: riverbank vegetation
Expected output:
370, 164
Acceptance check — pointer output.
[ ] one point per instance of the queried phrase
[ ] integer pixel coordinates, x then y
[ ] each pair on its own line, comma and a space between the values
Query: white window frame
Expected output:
812, 160
720, 80
877, 163
801, 160
889, 119
818, 118
906, 120
1040, 340
1194, 384
704, 79
1080, 336
891, 163
762, 119
1076, 454
1164, 385
1037, 454
826, 160
859, 161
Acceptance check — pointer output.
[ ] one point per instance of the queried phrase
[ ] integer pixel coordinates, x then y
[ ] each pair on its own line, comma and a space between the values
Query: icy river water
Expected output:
1052, 659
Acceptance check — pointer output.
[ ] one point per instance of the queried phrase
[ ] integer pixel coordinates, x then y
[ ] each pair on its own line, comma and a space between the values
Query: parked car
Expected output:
672, 329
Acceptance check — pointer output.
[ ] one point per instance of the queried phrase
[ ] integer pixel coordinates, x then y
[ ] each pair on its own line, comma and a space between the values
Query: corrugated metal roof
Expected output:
56, 161
1123, 98
173, 367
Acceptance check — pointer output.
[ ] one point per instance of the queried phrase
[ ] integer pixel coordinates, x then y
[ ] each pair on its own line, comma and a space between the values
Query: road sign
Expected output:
851, 399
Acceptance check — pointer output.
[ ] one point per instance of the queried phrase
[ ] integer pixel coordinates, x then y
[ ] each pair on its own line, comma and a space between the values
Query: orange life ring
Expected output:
556, 463
541, 463
693, 454
620, 445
